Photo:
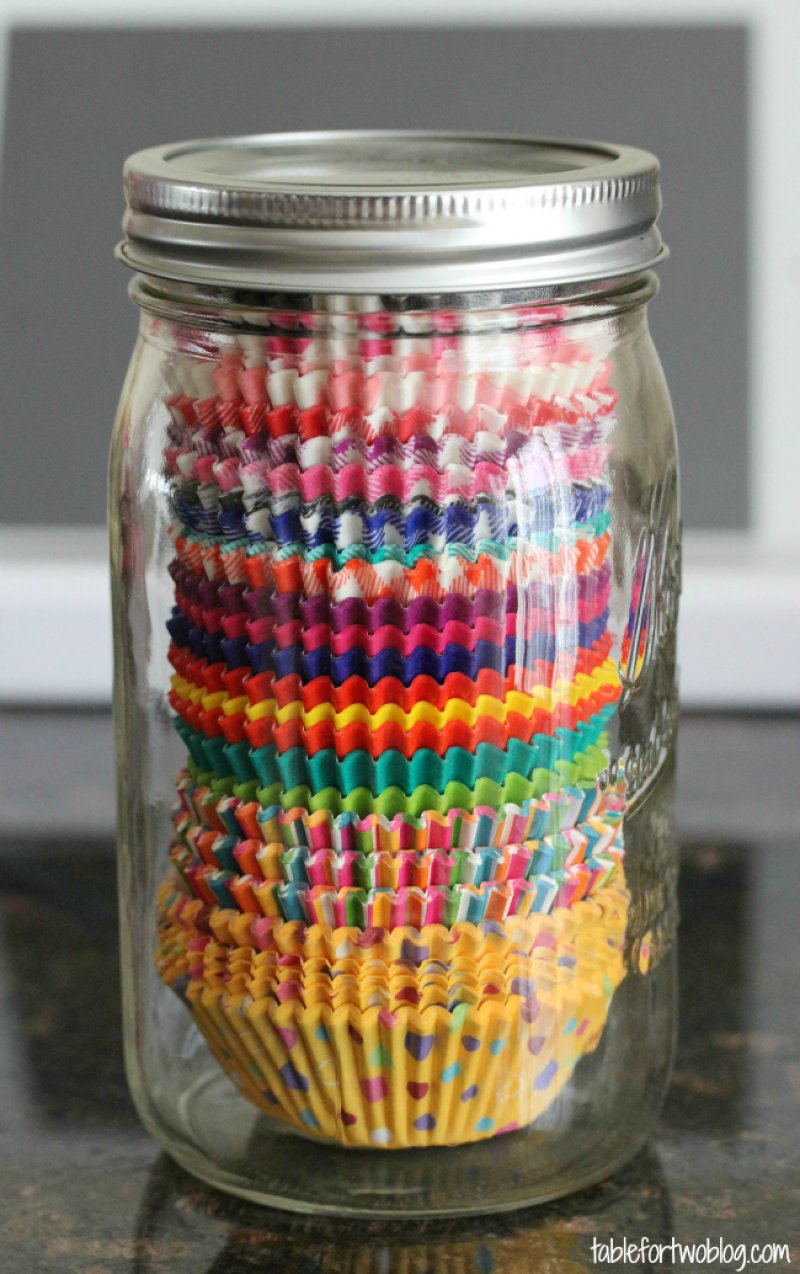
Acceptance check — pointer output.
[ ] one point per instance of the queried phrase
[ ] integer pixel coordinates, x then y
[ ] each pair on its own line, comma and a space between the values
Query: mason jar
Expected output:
396, 561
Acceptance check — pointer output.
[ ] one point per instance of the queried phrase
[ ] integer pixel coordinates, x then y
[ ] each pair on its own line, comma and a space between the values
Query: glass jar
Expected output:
395, 547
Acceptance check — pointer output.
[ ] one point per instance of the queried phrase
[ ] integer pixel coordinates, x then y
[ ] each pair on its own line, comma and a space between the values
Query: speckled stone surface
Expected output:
84, 1189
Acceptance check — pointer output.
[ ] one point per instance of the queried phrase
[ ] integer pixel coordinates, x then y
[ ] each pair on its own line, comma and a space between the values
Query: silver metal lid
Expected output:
417, 212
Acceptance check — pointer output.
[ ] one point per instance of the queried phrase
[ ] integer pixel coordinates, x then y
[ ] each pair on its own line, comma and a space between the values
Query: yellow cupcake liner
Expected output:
361, 983
393, 1075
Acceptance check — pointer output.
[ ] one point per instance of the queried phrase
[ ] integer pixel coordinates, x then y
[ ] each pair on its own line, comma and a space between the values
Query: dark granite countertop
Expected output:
83, 1188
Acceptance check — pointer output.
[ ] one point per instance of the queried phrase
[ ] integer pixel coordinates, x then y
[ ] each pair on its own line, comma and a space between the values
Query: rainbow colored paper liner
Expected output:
232, 809
402, 1076
406, 882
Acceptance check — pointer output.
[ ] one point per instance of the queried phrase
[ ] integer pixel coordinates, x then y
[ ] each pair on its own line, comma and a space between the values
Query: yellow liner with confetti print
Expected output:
493, 1039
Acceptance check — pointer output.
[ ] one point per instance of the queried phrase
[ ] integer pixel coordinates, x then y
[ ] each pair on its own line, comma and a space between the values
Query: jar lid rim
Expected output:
372, 211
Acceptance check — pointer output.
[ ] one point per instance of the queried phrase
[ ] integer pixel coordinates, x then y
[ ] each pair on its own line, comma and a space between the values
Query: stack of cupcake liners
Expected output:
324, 1027
394, 674
393, 875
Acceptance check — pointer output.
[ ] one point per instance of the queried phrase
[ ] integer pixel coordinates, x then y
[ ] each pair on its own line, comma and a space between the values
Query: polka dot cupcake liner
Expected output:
365, 978
398, 1077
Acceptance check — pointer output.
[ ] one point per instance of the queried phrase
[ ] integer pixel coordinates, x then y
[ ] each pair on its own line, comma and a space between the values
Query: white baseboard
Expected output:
55, 616
739, 625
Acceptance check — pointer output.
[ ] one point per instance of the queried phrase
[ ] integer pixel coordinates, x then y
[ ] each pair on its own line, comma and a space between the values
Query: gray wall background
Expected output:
80, 100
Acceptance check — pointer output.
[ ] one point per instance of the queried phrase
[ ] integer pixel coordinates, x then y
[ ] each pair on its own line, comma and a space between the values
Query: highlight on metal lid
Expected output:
409, 212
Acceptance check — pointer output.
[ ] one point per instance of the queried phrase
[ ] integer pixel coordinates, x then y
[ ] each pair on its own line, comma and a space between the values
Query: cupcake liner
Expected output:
212, 455
543, 525
388, 522
284, 649
536, 497
189, 925
219, 464
421, 448
235, 611
254, 641
347, 423
298, 767
541, 684
403, 1077
510, 659
390, 908
421, 521
530, 624
534, 464
370, 718
266, 399
452, 573
594, 842
374, 984
390, 728
537, 681
529, 470
200, 598
581, 770
459, 829
211, 694
271, 557
391, 870
487, 478
393, 678
535, 506
385, 887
